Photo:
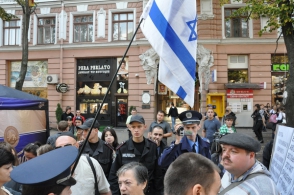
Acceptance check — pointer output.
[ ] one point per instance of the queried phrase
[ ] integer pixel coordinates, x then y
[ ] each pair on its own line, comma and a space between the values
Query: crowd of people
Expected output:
221, 161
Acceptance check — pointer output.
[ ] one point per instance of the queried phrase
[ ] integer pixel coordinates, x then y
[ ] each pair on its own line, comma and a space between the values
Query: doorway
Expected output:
121, 111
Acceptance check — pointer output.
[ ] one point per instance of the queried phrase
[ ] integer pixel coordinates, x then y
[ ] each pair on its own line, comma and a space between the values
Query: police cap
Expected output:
49, 169
241, 140
190, 117
137, 118
87, 124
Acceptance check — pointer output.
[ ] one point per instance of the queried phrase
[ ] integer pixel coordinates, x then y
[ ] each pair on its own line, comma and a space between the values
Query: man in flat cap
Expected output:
96, 147
137, 149
190, 142
44, 175
244, 174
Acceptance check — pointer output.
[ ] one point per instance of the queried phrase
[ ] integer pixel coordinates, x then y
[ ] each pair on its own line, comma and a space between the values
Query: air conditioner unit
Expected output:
52, 79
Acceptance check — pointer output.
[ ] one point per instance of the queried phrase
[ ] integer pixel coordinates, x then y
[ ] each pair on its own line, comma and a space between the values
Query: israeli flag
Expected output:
171, 28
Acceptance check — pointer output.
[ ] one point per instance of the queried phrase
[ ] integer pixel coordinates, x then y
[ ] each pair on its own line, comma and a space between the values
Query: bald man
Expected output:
83, 172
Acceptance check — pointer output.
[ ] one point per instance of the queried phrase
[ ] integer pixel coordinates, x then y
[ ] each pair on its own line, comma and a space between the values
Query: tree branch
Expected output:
22, 6
32, 10
277, 42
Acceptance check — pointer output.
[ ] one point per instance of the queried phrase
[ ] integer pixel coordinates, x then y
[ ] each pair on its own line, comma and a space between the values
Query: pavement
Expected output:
122, 135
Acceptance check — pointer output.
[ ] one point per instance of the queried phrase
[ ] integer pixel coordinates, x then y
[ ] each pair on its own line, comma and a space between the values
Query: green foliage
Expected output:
6, 16
58, 113
131, 108
278, 12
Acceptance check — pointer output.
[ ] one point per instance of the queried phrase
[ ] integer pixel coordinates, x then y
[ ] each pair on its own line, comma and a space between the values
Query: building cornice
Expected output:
11, 4
138, 43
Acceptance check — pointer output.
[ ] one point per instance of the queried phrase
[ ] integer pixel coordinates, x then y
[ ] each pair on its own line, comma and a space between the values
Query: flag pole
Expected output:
104, 98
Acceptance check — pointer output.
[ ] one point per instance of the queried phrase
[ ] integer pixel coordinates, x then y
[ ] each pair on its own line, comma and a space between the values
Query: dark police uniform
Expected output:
103, 154
45, 172
103, 151
126, 153
175, 150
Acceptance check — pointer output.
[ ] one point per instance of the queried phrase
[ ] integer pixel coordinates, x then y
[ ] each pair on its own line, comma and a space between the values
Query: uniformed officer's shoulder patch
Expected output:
120, 145
108, 145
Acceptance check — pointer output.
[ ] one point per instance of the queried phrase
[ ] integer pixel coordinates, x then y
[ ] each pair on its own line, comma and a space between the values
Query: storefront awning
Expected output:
242, 86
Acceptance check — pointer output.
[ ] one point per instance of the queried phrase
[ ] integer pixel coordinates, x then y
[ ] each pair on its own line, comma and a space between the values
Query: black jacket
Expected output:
173, 111
103, 154
65, 115
267, 154
126, 153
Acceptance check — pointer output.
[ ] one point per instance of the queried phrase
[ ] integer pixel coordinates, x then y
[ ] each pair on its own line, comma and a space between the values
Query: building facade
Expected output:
81, 43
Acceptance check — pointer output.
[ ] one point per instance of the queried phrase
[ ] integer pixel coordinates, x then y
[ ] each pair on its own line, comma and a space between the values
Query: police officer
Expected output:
190, 142
47, 174
137, 149
95, 147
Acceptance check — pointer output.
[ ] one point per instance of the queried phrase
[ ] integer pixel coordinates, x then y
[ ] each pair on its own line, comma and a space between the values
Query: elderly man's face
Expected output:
129, 185
236, 160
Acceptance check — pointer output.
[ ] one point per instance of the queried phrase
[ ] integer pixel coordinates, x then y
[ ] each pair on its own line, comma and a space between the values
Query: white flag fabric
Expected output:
171, 28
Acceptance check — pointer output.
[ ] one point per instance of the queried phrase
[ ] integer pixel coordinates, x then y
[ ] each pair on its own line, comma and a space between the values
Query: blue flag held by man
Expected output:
171, 28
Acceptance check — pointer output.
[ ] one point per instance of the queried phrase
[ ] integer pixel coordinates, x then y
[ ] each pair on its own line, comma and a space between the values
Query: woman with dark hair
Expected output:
110, 137
11, 149
259, 122
12, 186
30, 150
78, 133
6, 162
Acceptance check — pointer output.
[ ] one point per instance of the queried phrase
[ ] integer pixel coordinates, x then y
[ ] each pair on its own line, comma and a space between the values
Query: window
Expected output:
83, 28
12, 32
236, 26
46, 31
238, 69
123, 26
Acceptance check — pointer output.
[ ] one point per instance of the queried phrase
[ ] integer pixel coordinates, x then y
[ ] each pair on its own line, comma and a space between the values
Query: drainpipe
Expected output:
61, 49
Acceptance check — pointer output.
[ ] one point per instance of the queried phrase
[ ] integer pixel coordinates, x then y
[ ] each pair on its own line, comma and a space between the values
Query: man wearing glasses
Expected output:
83, 172
96, 148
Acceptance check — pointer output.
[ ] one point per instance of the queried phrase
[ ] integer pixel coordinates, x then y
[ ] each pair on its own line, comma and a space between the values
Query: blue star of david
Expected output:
192, 25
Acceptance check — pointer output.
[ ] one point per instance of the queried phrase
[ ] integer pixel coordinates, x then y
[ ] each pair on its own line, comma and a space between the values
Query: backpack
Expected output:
273, 118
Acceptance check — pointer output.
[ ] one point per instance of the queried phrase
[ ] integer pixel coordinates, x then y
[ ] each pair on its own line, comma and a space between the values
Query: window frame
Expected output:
44, 18
238, 66
119, 21
36, 21
71, 24
110, 22
250, 21
240, 19
88, 22
2, 32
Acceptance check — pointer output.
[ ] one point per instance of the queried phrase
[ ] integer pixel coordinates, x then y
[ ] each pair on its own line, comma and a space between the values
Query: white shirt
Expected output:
85, 178
5, 190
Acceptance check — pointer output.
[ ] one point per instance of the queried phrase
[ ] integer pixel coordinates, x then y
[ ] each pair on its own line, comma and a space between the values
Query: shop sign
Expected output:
94, 69
280, 67
240, 93
62, 88
98, 69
